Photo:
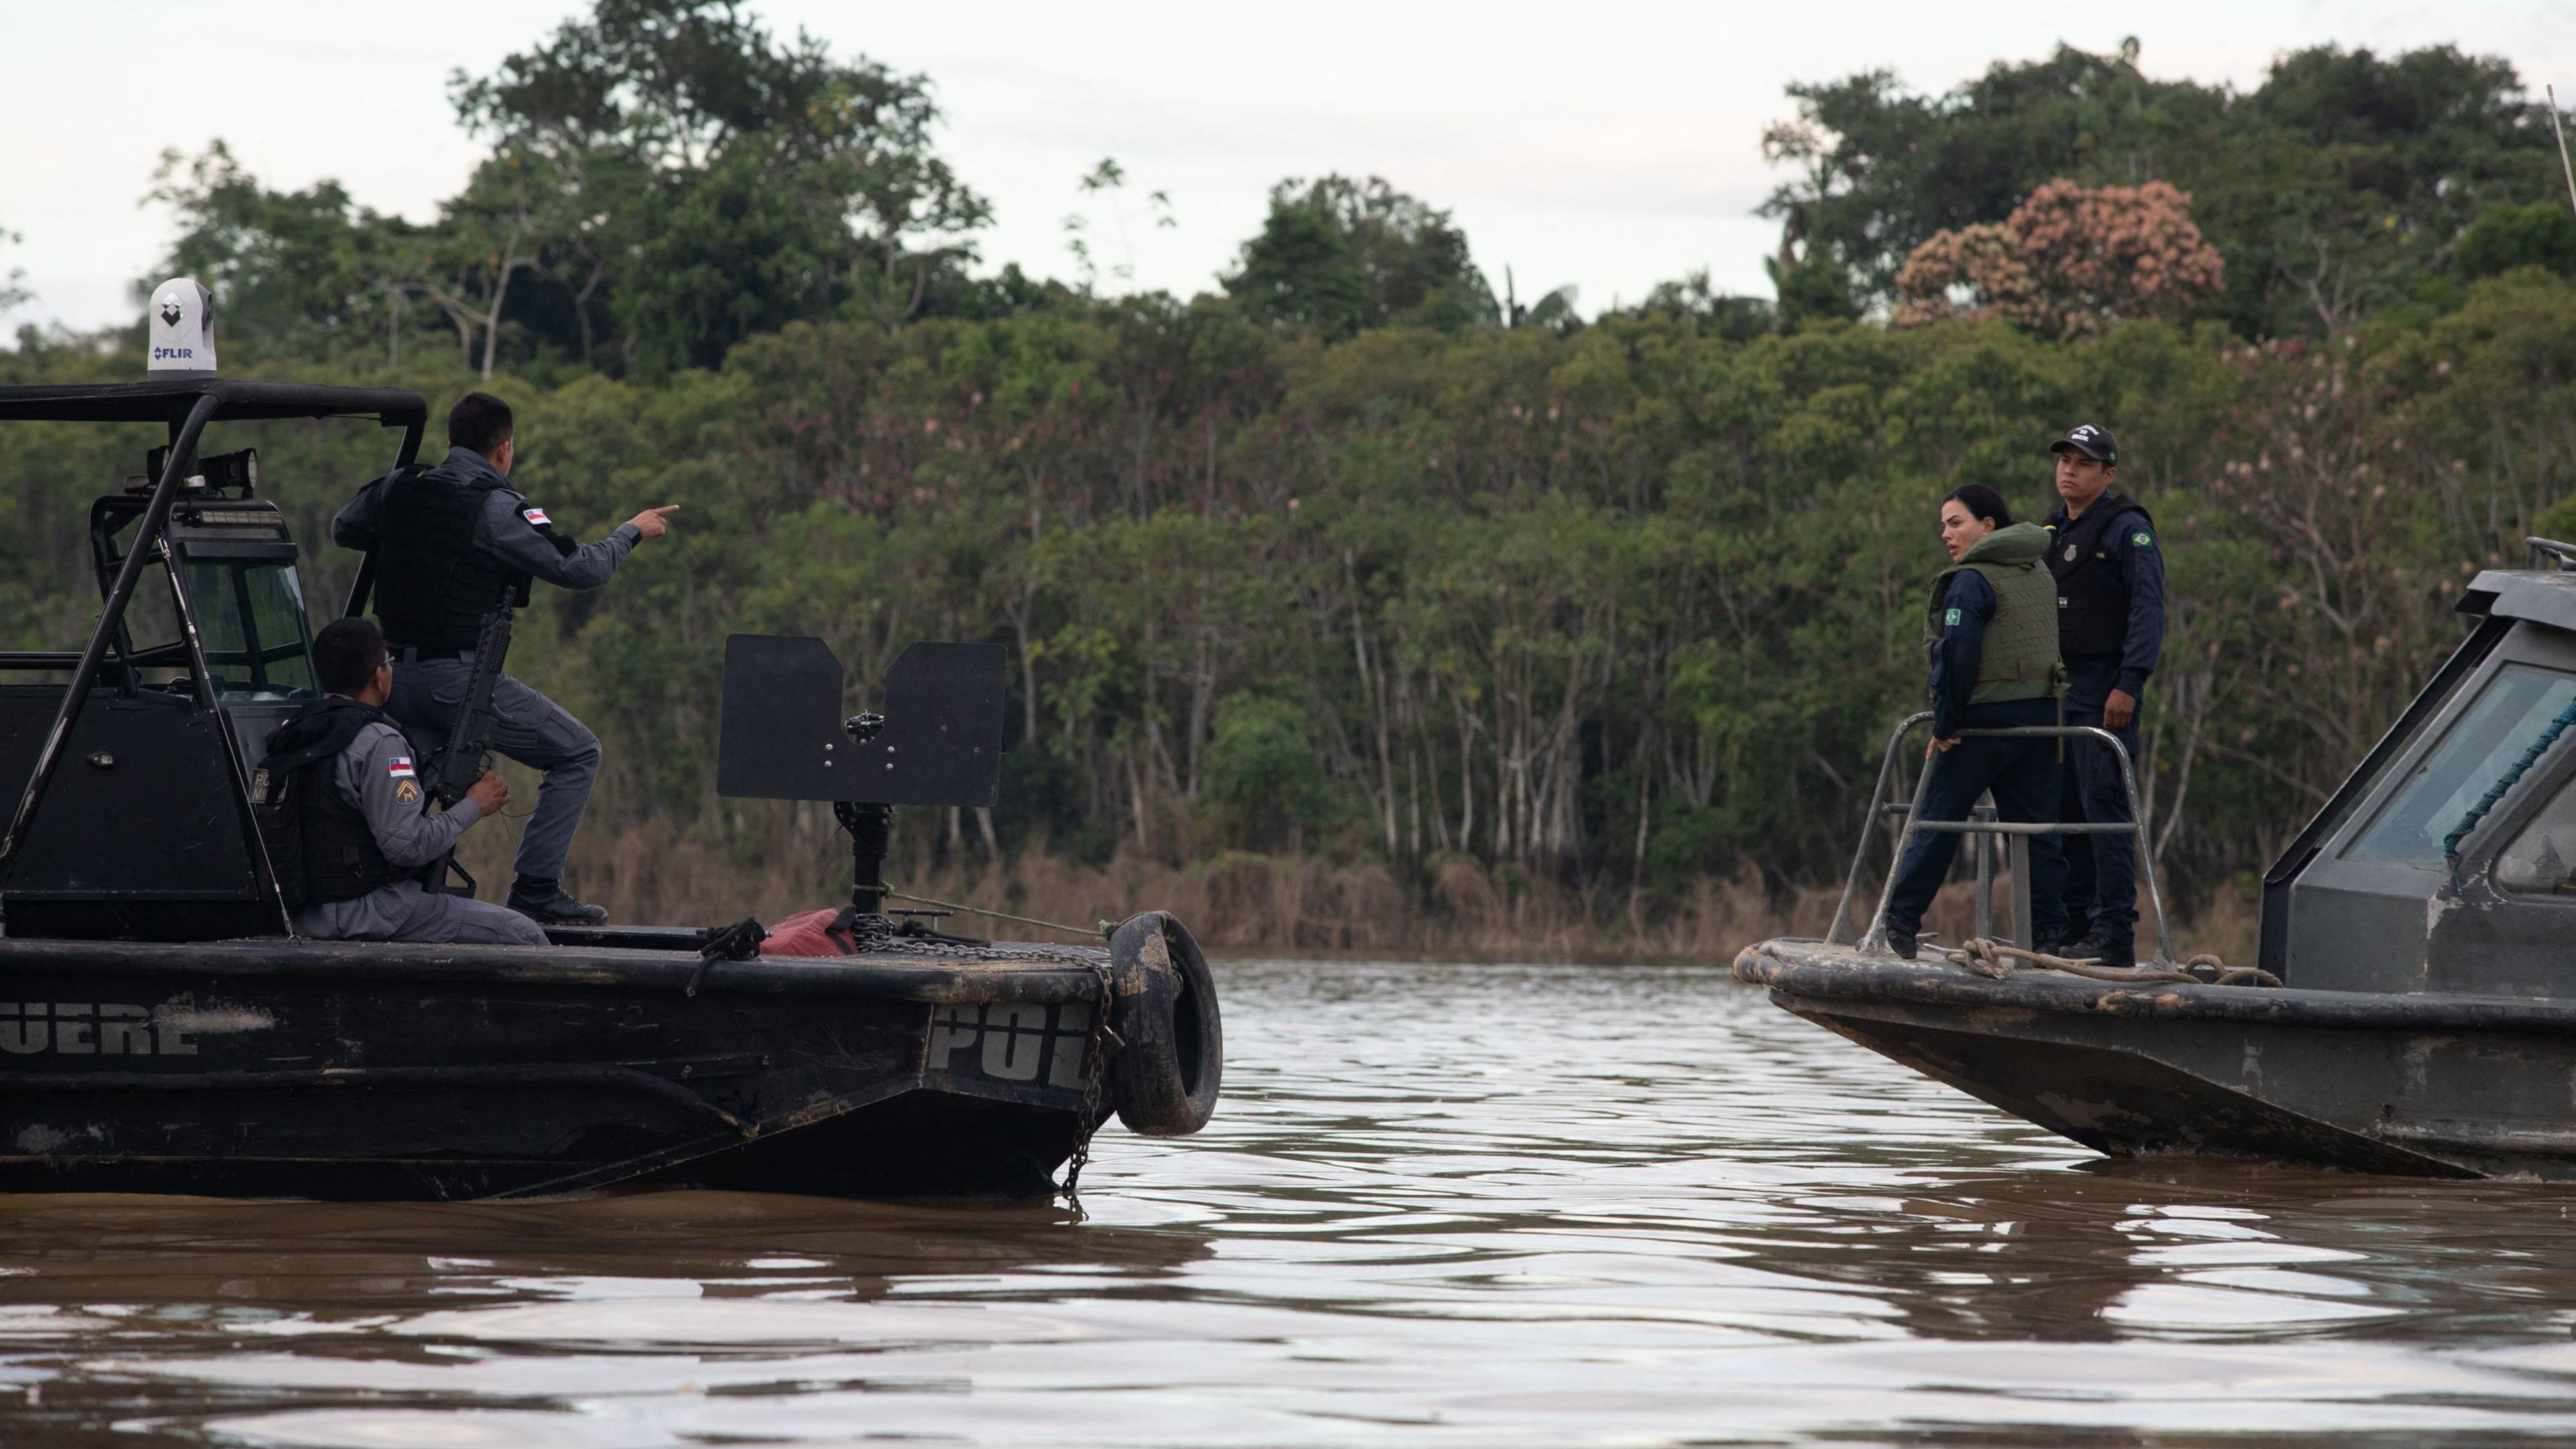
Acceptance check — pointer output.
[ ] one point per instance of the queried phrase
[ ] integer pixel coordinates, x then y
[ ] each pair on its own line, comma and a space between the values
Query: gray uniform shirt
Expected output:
512, 531
377, 774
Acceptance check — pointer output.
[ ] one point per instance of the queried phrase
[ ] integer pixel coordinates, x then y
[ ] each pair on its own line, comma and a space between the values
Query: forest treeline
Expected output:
1353, 563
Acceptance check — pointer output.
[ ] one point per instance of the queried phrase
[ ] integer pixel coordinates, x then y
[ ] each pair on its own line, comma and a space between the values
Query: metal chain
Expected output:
1095, 1066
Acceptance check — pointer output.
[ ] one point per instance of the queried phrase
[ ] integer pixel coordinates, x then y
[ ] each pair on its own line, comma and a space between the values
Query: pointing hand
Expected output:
654, 522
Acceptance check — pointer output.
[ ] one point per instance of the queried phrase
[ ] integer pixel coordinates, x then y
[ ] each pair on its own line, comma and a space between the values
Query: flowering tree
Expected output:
2069, 261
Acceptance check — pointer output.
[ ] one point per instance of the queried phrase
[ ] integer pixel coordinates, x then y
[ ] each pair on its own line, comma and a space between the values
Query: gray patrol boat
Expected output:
2414, 1009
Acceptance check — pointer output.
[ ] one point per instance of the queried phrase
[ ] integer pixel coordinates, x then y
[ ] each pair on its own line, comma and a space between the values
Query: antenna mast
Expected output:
2560, 132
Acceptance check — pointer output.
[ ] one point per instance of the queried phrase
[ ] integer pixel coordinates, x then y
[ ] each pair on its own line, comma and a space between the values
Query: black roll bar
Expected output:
156, 517
156, 401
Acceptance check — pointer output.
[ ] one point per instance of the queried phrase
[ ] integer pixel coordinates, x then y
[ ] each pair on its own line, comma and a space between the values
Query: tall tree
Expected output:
2339, 185
818, 176
2070, 260
1336, 255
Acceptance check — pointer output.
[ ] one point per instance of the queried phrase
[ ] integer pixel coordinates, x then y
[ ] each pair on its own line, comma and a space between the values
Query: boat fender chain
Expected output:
1993, 958
2496, 791
1095, 1070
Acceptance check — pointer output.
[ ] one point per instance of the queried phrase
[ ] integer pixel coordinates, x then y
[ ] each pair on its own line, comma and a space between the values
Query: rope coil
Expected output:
1994, 959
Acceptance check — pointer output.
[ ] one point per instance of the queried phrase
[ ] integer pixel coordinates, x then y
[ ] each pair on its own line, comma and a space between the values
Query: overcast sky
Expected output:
1611, 145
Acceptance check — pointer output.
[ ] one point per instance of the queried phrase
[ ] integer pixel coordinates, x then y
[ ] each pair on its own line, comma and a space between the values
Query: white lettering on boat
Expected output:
117, 1029
1011, 1041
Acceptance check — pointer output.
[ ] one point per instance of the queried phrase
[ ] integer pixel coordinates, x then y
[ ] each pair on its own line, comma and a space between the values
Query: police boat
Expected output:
162, 1029
2414, 1005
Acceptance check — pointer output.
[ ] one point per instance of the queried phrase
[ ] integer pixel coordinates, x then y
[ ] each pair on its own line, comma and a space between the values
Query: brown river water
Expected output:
1441, 1205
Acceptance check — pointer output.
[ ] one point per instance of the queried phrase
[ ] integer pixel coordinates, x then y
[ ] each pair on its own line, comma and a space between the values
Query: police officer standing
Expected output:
363, 835
2110, 626
450, 541
1989, 631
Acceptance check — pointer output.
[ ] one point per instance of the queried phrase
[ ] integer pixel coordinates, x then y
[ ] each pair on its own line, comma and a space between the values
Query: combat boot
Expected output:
547, 903
2107, 950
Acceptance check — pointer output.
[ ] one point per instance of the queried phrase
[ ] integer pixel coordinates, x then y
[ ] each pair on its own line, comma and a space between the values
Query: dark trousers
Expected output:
2101, 870
2022, 774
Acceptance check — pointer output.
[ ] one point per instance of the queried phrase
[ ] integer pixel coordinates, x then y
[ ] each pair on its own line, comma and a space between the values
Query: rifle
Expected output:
453, 767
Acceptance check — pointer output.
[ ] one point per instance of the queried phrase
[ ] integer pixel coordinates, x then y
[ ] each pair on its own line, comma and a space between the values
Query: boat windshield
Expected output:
250, 617
2506, 719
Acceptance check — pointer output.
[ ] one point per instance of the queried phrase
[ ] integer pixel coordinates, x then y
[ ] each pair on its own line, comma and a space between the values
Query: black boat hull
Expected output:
378, 1071
2426, 1084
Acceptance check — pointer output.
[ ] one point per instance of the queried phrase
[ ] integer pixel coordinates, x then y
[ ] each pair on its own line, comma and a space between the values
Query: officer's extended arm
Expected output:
1966, 611
409, 838
531, 545
360, 520
2142, 568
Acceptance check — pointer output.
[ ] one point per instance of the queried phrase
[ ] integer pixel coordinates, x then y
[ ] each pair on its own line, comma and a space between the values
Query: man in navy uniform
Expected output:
2110, 626
450, 541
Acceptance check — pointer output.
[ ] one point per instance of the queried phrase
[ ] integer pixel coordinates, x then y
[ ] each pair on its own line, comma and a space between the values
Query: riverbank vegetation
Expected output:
1354, 606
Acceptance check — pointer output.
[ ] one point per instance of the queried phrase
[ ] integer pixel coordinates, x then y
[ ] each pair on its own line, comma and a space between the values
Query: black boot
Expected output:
2056, 942
1901, 942
2117, 951
545, 902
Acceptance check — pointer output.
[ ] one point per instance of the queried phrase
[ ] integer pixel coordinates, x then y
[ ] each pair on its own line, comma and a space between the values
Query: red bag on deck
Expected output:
812, 933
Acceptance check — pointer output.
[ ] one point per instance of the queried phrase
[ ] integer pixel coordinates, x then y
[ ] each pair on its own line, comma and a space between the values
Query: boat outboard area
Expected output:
162, 1029
2413, 1008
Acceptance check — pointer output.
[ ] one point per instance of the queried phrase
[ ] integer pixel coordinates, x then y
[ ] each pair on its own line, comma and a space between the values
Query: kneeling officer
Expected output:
1992, 633
359, 815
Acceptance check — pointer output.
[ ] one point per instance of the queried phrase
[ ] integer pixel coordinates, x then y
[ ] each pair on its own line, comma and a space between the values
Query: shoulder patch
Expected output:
536, 517
398, 767
2142, 539
1951, 620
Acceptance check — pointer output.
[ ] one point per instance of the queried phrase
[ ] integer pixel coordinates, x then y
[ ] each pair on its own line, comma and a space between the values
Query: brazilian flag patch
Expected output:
1952, 621
2142, 539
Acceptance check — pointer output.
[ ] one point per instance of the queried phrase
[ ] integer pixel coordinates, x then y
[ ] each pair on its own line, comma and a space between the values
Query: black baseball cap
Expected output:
2091, 441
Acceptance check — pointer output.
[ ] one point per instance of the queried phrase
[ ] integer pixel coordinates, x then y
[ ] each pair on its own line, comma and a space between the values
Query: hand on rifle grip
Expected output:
490, 793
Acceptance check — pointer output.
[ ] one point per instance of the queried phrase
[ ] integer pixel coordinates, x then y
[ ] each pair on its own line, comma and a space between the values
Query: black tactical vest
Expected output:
2092, 603
433, 587
318, 842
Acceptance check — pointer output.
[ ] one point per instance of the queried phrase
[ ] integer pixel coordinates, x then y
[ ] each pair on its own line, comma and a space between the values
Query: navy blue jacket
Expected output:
1966, 609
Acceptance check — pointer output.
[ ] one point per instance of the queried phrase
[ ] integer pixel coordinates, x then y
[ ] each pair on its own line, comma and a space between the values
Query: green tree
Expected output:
820, 182
2337, 187
2538, 234
1336, 255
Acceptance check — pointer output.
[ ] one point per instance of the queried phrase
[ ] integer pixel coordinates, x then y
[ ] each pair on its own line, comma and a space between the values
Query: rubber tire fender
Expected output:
1165, 1078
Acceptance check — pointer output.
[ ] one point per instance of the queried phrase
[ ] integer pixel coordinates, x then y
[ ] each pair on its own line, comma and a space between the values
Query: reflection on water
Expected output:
1441, 1205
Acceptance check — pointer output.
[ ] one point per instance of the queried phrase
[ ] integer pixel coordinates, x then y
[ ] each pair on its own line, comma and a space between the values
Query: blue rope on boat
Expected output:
2496, 792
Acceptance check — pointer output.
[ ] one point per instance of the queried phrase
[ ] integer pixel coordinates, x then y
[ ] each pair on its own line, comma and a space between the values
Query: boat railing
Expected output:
1985, 831
2549, 554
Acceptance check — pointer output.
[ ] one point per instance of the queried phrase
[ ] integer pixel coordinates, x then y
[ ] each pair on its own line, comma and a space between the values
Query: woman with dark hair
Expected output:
1991, 631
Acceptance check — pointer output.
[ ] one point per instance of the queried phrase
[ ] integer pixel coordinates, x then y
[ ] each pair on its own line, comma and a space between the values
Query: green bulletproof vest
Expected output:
2019, 660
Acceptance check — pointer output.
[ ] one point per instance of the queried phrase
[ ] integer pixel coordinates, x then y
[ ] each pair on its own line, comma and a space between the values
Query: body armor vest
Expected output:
2092, 603
319, 843
2019, 658
434, 588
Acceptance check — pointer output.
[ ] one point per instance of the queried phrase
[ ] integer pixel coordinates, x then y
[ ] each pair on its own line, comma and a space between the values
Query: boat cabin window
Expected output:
2485, 739
2542, 859
250, 619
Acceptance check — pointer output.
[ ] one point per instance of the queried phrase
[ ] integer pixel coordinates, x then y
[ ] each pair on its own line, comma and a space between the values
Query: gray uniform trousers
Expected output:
531, 729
